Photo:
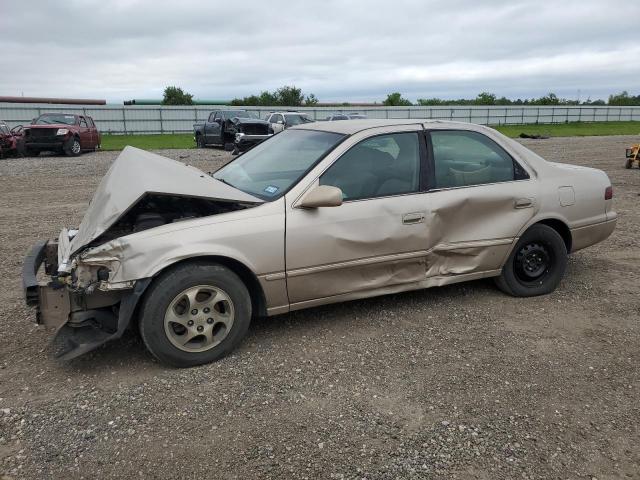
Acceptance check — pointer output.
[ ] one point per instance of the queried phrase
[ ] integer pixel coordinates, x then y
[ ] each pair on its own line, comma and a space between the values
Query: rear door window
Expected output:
464, 158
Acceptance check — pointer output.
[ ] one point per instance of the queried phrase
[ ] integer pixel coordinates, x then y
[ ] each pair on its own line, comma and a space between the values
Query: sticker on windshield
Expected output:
271, 189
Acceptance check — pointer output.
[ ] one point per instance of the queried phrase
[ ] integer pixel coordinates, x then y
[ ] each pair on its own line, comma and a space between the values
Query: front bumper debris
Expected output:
30, 268
51, 299
244, 141
83, 320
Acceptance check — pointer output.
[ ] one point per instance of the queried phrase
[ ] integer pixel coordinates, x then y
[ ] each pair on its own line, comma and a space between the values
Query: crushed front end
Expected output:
83, 284
76, 298
247, 133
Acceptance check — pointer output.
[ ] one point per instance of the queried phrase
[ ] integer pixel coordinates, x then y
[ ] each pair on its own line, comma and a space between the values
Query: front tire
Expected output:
72, 147
200, 143
195, 314
629, 163
536, 264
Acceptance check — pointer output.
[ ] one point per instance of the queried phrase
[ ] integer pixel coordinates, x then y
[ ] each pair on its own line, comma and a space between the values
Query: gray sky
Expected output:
353, 50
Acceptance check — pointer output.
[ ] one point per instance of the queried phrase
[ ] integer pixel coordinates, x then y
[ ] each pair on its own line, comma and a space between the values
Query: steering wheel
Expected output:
18, 129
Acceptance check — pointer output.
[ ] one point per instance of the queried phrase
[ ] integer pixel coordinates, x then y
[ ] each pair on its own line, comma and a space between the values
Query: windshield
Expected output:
297, 119
272, 167
238, 113
56, 118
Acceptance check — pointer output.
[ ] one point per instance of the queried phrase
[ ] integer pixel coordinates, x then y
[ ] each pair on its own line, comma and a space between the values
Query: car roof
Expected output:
355, 126
289, 112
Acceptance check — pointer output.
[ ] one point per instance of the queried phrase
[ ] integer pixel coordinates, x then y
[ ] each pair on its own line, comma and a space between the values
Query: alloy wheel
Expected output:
199, 318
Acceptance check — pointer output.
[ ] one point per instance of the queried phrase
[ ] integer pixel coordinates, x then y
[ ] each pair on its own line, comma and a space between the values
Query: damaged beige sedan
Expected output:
321, 213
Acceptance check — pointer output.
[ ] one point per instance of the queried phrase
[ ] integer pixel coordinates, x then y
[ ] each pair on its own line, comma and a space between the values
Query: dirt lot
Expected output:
453, 382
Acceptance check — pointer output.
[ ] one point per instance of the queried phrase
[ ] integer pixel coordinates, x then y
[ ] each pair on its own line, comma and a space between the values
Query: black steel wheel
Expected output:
536, 264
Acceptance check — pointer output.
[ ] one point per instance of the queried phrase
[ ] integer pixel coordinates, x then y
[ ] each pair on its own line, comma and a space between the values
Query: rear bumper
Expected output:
591, 234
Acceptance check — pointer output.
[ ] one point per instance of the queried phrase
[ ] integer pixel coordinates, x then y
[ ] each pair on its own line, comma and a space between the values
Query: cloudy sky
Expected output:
357, 50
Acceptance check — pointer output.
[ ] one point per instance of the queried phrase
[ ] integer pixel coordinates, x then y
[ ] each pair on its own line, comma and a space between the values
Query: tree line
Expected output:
486, 98
291, 96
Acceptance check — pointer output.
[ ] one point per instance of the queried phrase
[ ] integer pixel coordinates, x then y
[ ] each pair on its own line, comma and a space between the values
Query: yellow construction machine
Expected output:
633, 155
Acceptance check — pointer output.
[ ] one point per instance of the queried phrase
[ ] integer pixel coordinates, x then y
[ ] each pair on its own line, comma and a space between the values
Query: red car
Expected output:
61, 132
11, 140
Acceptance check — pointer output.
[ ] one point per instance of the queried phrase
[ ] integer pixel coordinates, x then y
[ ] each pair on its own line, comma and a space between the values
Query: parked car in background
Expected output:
337, 116
282, 120
11, 140
345, 116
320, 213
237, 129
66, 133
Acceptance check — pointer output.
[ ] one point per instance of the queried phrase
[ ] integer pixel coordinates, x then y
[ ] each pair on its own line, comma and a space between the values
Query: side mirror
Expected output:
322, 196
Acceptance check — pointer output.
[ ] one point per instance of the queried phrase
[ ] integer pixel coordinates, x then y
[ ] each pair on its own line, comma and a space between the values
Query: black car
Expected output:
235, 130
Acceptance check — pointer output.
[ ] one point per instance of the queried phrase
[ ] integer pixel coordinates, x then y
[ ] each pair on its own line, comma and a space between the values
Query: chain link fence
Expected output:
137, 119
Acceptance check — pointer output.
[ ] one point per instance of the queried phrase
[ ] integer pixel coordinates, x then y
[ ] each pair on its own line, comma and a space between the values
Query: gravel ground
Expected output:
453, 382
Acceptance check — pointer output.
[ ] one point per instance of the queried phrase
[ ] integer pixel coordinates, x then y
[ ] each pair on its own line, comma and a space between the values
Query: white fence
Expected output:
156, 119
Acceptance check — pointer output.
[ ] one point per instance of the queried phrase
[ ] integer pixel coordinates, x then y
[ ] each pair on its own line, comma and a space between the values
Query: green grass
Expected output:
148, 142
574, 129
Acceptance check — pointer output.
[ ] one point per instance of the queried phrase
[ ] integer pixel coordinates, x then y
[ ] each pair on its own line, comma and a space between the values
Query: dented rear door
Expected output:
480, 198
471, 229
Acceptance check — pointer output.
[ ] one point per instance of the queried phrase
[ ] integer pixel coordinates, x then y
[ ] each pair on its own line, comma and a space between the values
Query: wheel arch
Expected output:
559, 224
248, 277
561, 227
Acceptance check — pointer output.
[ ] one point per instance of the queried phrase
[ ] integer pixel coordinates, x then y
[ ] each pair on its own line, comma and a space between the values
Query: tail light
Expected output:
608, 193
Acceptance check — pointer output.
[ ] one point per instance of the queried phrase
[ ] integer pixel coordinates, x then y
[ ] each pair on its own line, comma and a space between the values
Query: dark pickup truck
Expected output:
233, 129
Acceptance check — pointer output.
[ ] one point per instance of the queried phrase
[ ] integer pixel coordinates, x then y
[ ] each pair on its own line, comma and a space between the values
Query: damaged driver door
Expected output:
375, 241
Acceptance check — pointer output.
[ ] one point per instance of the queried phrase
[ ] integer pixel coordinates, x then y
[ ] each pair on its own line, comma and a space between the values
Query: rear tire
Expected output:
536, 264
195, 313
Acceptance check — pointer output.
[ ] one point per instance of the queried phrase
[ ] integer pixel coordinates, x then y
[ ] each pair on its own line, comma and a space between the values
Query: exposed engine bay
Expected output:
156, 209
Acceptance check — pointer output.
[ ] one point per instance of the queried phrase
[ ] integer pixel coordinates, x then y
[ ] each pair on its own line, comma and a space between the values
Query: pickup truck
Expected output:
233, 129
61, 132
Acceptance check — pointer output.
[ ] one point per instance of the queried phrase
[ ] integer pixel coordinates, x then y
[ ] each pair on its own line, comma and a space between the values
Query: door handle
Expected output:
412, 218
523, 203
